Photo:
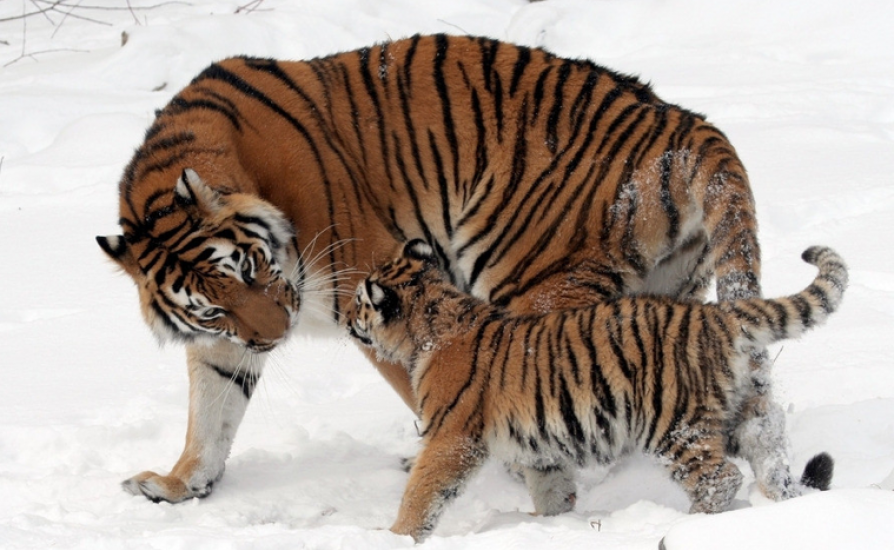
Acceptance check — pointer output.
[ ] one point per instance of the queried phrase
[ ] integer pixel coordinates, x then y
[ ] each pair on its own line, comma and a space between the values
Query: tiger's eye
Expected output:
210, 313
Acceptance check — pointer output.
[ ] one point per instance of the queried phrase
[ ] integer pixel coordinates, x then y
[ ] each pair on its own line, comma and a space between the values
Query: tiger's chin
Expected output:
399, 353
213, 340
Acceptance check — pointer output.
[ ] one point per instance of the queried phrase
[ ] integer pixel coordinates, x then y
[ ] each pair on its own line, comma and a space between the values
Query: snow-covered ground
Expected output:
805, 90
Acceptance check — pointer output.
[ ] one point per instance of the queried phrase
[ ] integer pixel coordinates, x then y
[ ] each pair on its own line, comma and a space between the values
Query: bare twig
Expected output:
70, 13
462, 30
78, 5
33, 55
43, 7
133, 14
45, 14
250, 7
24, 36
40, 11
70, 9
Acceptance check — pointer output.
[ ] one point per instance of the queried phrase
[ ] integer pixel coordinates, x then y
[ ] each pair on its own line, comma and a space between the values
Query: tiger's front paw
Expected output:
158, 488
419, 533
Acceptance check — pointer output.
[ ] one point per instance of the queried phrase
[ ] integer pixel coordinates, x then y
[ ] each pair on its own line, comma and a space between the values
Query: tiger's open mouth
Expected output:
365, 340
261, 348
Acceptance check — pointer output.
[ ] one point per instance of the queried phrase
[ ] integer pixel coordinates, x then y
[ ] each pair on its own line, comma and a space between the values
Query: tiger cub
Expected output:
574, 386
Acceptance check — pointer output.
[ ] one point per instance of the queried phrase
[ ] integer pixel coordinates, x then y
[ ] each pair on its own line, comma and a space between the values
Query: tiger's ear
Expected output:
116, 248
418, 249
192, 192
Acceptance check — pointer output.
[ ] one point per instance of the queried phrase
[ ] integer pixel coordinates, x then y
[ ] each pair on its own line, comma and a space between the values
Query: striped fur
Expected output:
664, 377
540, 182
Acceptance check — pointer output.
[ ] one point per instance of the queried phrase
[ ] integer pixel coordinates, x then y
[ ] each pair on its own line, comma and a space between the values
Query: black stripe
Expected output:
521, 63
539, 92
599, 384
569, 417
616, 340
245, 381
188, 152
552, 120
180, 105
441, 42
820, 294
404, 92
443, 191
163, 315
488, 52
408, 60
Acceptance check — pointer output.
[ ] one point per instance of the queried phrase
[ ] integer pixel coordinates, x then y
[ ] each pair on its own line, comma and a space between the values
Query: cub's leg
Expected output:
222, 378
759, 436
712, 488
438, 476
552, 489
695, 457
734, 252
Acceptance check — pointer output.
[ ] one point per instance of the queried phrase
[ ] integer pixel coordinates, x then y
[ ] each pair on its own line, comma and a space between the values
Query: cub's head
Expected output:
209, 265
380, 315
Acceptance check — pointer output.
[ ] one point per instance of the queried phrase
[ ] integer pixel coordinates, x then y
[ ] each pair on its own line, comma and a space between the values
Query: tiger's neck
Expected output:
445, 315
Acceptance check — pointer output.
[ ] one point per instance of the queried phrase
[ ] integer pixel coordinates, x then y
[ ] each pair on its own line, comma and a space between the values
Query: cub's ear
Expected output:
116, 247
384, 300
418, 249
191, 192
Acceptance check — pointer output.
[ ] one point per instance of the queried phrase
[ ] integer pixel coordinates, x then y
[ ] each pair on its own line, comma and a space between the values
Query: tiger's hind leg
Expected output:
758, 433
759, 437
552, 489
222, 378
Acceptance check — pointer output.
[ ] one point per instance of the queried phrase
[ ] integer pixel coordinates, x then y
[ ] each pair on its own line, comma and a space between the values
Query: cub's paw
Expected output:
159, 488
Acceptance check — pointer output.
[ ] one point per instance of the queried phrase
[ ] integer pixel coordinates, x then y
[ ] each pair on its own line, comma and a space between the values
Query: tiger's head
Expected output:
210, 265
381, 315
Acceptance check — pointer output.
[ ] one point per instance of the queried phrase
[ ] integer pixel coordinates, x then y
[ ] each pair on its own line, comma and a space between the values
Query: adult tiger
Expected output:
540, 182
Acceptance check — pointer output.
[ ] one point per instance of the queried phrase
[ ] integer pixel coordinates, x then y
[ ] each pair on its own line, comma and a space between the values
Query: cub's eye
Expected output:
248, 271
212, 312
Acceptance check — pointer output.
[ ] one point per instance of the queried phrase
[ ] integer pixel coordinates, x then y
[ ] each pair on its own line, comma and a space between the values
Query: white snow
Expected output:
805, 90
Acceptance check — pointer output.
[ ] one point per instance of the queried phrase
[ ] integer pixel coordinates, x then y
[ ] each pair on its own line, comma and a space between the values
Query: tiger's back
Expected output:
516, 165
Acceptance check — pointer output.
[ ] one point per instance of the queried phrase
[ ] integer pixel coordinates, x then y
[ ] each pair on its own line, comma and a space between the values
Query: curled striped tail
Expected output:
769, 321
